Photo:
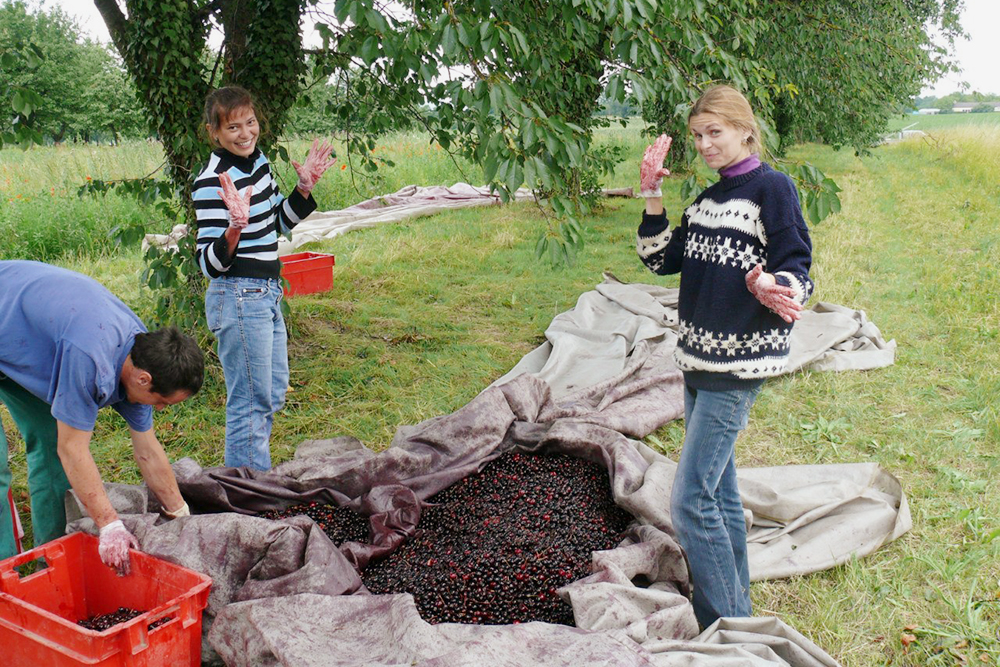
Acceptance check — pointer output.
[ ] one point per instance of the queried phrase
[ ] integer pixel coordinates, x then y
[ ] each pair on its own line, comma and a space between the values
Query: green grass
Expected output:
424, 314
944, 122
42, 218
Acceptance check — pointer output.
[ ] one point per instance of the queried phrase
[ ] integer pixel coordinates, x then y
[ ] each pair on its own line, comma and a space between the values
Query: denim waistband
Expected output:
236, 280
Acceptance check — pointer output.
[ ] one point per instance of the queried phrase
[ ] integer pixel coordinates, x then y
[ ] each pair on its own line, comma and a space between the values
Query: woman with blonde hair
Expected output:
743, 253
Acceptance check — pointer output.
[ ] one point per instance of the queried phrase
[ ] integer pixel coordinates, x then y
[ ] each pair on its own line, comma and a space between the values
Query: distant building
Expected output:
928, 111
967, 107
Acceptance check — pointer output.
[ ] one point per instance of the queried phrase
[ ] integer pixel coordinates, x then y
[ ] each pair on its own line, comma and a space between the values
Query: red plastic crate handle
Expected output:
55, 558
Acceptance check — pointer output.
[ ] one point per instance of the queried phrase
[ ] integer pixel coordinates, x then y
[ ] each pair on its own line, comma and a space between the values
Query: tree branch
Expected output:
209, 9
115, 21
325, 52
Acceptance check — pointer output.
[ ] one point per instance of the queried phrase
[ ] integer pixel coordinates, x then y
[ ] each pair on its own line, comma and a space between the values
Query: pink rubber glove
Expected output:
239, 206
114, 546
777, 298
651, 171
317, 161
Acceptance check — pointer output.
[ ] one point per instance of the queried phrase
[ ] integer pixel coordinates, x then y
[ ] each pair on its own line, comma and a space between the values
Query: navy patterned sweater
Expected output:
728, 340
270, 213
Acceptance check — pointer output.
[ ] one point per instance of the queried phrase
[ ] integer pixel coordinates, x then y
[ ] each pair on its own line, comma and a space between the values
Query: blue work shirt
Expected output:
64, 338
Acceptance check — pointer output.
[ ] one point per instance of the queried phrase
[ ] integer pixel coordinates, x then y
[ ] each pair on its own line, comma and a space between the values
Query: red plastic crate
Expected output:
38, 613
307, 272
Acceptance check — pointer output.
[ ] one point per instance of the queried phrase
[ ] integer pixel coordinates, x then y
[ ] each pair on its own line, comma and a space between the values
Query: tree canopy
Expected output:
68, 87
849, 65
516, 85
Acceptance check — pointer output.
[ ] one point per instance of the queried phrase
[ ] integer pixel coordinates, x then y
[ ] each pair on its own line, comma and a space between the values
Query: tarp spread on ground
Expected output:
411, 201
284, 594
622, 324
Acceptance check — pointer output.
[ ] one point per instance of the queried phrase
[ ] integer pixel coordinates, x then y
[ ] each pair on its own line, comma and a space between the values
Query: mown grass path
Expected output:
916, 248
424, 314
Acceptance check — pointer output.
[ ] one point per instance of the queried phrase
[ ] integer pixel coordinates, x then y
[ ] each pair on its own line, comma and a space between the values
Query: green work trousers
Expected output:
47, 483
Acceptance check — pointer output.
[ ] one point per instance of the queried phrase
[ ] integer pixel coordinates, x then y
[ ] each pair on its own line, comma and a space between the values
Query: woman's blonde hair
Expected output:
729, 104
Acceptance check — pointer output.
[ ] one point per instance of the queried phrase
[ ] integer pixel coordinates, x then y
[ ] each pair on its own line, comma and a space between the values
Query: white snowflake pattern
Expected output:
718, 343
725, 251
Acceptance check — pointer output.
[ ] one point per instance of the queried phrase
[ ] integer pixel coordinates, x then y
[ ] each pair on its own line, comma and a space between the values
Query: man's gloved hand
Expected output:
239, 206
114, 546
777, 298
651, 171
317, 162
183, 510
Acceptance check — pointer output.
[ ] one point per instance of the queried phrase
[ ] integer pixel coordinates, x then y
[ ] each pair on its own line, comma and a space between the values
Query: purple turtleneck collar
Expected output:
744, 166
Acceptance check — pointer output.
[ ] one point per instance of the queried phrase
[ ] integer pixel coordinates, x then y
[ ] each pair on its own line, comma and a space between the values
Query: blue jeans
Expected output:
245, 316
705, 502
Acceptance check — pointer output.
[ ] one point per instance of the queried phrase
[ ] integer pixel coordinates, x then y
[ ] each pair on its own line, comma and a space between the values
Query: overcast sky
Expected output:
979, 56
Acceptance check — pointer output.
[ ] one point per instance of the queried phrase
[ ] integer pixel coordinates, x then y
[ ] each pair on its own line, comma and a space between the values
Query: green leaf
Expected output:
834, 202
530, 175
541, 245
522, 42
574, 152
543, 172
490, 167
34, 57
822, 207
812, 208
515, 176
19, 103
449, 40
342, 9
463, 35
369, 50
614, 89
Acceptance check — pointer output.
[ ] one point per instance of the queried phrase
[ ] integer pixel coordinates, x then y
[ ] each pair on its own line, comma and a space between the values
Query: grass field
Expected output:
944, 122
424, 314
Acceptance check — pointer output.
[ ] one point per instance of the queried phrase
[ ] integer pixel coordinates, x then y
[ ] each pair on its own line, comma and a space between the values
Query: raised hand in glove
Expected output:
777, 298
238, 205
317, 162
114, 546
651, 171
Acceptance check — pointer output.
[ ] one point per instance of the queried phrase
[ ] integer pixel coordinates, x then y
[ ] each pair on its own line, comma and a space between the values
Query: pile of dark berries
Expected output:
102, 622
341, 524
493, 548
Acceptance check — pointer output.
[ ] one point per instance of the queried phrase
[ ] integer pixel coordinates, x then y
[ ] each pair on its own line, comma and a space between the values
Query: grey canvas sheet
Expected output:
619, 324
284, 595
410, 201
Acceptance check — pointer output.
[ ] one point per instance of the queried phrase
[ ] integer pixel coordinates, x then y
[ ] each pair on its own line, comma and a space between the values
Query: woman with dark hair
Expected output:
240, 214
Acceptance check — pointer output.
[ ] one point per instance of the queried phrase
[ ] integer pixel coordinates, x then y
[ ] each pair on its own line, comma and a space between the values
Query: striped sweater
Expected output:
727, 339
270, 213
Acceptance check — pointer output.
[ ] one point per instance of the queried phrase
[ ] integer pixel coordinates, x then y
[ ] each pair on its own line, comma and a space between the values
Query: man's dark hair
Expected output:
172, 358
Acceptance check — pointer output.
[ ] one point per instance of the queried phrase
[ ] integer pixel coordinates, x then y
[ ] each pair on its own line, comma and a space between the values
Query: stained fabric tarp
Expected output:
387, 631
410, 201
271, 577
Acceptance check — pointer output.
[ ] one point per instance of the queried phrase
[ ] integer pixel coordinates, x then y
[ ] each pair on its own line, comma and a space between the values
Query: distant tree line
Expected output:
946, 102
87, 95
